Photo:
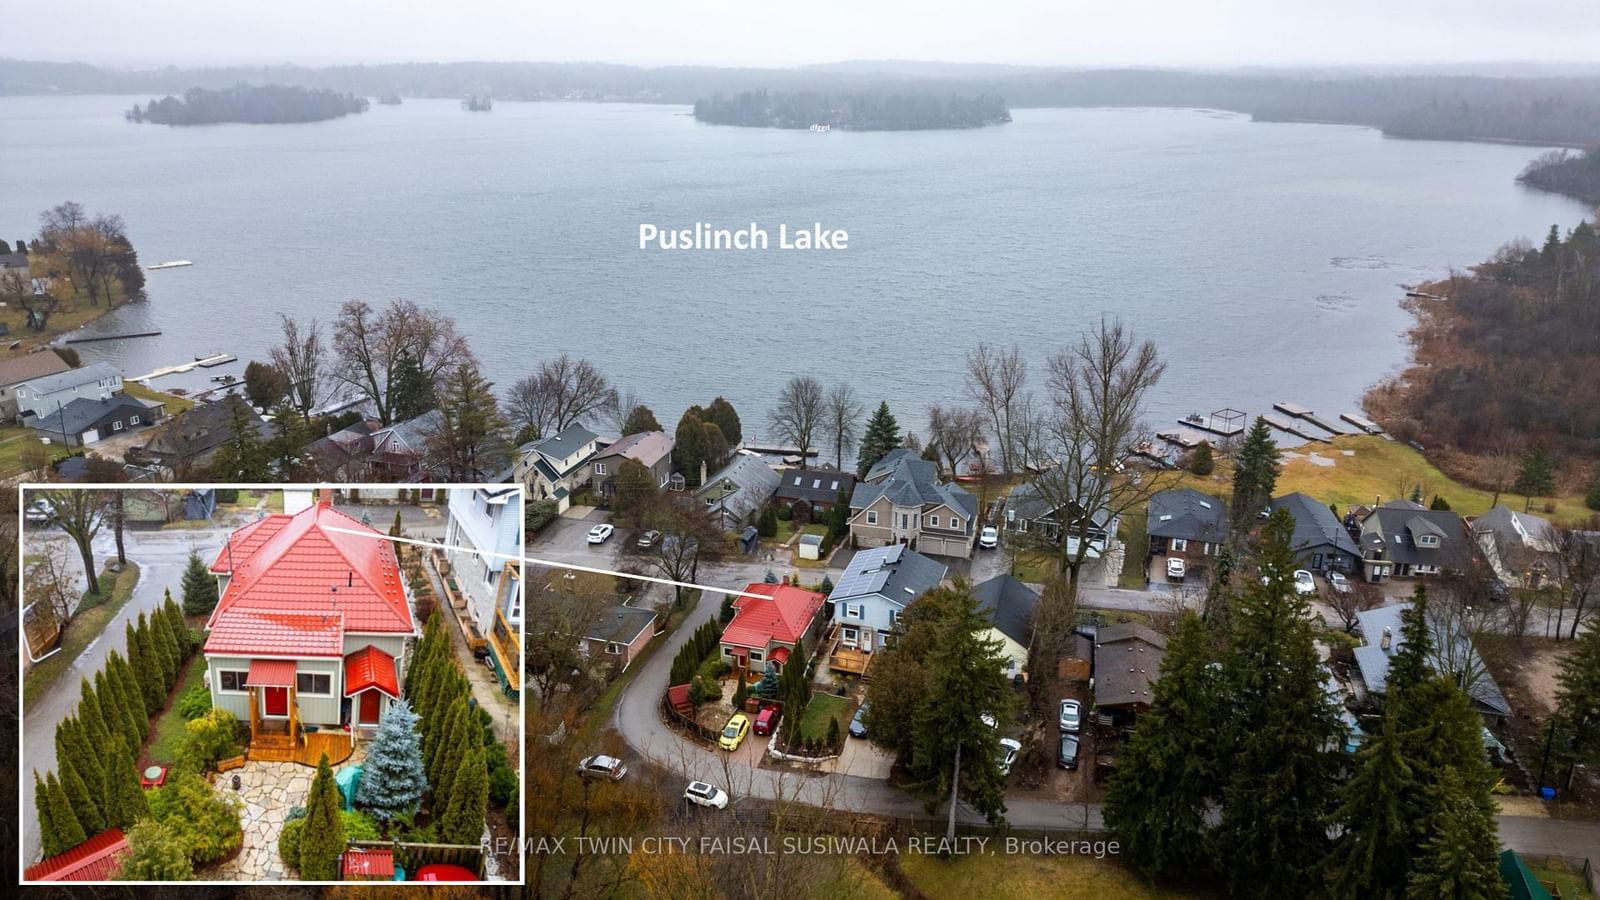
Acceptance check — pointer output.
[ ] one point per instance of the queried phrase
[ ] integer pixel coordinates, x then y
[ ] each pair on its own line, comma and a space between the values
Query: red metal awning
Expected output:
370, 667
270, 673
368, 863
780, 655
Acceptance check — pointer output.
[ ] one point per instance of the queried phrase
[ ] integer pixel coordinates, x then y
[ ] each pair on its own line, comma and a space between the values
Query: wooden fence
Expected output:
1580, 867
412, 857
683, 723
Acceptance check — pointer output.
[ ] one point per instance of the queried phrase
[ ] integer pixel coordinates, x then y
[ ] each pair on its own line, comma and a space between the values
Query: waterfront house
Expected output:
345, 455
42, 396
810, 492
1008, 603
484, 532
1453, 649
1186, 524
1519, 547
1029, 510
902, 501
20, 370
403, 452
309, 639
766, 629
651, 449
1405, 539
1127, 664
1320, 542
193, 437
618, 635
555, 466
876, 586
85, 421
735, 495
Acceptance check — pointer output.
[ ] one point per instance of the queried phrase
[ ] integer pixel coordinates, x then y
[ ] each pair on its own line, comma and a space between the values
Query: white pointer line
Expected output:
529, 560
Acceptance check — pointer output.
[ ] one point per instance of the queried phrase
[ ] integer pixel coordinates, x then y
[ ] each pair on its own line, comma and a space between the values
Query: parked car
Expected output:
608, 767
40, 512
701, 794
1303, 582
1071, 716
649, 538
600, 533
989, 538
990, 721
767, 719
858, 722
1067, 755
733, 733
1008, 754
1338, 583
1176, 568
1499, 591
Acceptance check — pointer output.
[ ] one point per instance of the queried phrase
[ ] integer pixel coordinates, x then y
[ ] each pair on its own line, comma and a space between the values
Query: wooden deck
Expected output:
851, 662
307, 751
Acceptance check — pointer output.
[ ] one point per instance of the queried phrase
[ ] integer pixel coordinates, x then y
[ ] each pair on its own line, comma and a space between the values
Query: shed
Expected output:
749, 538
368, 864
810, 546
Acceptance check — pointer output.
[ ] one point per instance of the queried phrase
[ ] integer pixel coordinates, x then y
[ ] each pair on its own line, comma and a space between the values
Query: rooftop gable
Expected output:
782, 613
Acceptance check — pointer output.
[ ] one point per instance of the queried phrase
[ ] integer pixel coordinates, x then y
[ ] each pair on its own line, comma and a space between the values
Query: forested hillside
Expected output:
1575, 174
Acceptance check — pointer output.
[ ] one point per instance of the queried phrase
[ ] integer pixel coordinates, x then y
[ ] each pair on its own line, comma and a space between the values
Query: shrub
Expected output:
785, 513
289, 843
212, 736
502, 786
358, 826
155, 854
539, 514
194, 703
206, 823
1592, 498
1201, 461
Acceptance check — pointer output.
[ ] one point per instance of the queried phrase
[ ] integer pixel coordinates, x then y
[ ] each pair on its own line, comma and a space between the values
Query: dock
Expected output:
1301, 412
1363, 424
1227, 422
215, 359
171, 264
1179, 438
111, 337
1291, 428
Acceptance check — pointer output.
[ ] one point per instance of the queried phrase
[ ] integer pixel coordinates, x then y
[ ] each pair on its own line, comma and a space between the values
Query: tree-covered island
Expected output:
267, 104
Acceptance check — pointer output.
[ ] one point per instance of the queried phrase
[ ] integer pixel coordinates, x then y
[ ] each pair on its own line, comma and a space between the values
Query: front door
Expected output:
369, 707
276, 701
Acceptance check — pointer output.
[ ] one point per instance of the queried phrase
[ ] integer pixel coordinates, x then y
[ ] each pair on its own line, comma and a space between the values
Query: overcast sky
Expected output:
792, 32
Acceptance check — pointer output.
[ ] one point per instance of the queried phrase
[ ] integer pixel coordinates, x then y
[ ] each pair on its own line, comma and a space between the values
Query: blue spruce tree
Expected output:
392, 781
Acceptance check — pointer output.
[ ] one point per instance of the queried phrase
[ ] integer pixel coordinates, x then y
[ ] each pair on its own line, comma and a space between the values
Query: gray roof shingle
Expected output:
1314, 524
1187, 514
1009, 604
896, 573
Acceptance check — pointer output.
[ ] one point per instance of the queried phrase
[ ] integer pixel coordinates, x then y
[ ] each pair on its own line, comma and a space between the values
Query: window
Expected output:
816, 483
613, 649
933, 521
231, 681
116, 426
905, 520
872, 517
599, 468
757, 656
313, 684
1179, 545
852, 610
955, 523
488, 575
894, 615
1427, 540
850, 635
133, 420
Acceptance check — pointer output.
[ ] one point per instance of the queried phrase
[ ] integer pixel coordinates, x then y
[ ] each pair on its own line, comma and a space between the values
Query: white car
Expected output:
989, 538
1008, 754
701, 794
600, 534
1339, 583
1303, 582
40, 512
607, 767
1071, 716
1176, 568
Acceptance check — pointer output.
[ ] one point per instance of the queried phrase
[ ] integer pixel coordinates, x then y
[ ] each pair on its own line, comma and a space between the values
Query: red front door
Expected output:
277, 701
369, 707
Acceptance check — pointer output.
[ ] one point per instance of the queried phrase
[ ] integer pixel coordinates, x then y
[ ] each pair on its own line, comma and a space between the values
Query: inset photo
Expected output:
271, 683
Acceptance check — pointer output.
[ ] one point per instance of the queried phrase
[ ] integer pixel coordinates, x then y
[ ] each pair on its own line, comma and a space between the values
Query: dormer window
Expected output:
1427, 540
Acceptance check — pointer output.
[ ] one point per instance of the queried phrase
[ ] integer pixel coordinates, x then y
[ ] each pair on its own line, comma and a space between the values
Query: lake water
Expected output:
1264, 259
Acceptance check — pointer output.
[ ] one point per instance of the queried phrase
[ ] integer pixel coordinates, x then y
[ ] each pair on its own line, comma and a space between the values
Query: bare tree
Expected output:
953, 432
378, 350
80, 514
627, 402
1097, 395
841, 422
300, 360
562, 392
1358, 597
688, 538
1505, 456
1577, 574
799, 414
996, 377
48, 583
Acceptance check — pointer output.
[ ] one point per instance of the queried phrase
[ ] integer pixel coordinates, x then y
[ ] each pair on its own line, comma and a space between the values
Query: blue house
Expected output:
876, 586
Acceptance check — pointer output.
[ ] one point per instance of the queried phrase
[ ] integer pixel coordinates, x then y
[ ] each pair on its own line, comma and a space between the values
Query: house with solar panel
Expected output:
309, 638
876, 587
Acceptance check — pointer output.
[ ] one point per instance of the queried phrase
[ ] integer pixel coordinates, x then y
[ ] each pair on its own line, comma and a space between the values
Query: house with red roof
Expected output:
766, 627
96, 859
311, 627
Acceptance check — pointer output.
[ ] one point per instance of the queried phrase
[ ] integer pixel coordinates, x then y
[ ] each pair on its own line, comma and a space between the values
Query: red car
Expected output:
767, 719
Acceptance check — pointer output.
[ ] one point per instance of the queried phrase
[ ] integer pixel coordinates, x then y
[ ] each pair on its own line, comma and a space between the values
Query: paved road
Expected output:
637, 719
161, 556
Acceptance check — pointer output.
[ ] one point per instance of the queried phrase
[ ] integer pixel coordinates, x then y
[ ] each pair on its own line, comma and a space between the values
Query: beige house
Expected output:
901, 501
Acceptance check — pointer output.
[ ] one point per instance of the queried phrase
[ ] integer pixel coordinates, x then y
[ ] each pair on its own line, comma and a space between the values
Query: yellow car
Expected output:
733, 733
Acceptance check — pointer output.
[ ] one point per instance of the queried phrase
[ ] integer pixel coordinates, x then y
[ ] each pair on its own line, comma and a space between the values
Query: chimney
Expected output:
1388, 638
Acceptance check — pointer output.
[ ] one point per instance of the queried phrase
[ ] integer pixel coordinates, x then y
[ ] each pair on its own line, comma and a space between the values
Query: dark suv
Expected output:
1067, 756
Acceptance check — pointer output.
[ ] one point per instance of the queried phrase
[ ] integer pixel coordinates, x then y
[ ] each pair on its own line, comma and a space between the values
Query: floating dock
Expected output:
215, 359
1424, 295
110, 337
171, 264
1363, 424
1301, 412
1179, 438
1290, 428
1227, 422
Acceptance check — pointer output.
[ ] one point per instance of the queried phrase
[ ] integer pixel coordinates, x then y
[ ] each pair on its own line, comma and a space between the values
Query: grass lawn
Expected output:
1136, 546
1570, 884
169, 728
13, 439
84, 627
1004, 876
814, 722
1034, 567
174, 403
598, 716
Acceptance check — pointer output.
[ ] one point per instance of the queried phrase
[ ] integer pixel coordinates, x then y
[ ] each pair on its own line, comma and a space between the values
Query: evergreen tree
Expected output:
1460, 858
50, 837
290, 434
1255, 475
1578, 700
411, 393
119, 721
199, 588
155, 853
159, 651
1439, 503
721, 414
1166, 780
95, 729
180, 628
392, 779
1273, 834
1439, 730
163, 624
1409, 666
881, 436
242, 457
741, 693
128, 684
1371, 856
86, 760
690, 448
125, 801
323, 839
146, 670
453, 751
640, 419
463, 818
68, 832
85, 803
1201, 460
1537, 476
469, 421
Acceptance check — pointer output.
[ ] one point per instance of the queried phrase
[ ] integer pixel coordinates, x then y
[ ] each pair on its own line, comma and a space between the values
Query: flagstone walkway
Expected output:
268, 790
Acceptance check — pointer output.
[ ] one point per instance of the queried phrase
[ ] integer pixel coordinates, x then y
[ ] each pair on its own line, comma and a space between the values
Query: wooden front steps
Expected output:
338, 745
